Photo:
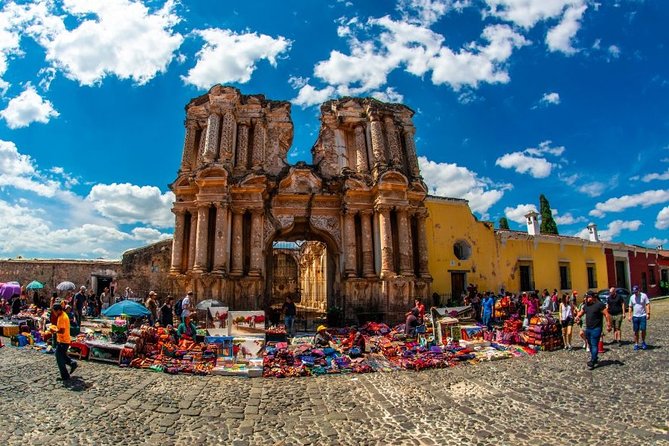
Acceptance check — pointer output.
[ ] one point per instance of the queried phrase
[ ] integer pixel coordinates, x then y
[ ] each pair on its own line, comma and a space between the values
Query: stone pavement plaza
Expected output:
548, 399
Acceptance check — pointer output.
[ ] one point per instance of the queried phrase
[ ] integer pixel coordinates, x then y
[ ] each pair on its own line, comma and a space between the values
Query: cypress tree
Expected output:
503, 223
548, 225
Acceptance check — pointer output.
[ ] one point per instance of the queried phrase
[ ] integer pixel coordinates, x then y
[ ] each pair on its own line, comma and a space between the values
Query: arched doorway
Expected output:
302, 262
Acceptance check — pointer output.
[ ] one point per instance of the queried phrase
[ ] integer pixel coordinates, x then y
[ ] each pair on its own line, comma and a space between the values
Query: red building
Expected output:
629, 265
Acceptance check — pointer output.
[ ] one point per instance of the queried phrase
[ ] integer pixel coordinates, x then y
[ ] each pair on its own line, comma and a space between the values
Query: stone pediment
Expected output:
393, 177
301, 181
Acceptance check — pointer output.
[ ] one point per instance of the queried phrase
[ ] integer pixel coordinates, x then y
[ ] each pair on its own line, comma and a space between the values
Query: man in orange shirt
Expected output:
62, 332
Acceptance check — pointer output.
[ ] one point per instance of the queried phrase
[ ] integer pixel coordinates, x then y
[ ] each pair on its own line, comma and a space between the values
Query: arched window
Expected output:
462, 250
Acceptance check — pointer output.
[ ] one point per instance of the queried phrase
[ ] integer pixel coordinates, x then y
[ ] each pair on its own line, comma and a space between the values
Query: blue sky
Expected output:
513, 98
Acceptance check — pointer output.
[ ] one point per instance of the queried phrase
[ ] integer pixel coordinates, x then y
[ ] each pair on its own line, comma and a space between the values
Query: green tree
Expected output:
503, 223
548, 225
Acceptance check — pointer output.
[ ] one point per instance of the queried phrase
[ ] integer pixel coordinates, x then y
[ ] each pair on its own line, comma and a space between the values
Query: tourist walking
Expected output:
62, 332
79, 300
152, 306
595, 312
487, 307
289, 312
639, 313
616, 307
566, 320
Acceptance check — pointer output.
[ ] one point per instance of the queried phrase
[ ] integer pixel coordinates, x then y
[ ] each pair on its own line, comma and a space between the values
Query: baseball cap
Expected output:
590, 293
635, 288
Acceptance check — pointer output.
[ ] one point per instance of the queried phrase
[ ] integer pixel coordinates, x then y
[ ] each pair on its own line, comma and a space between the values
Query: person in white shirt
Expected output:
186, 305
639, 313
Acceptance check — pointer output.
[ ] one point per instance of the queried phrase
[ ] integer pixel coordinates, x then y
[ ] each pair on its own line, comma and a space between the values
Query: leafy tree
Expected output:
503, 223
548, 225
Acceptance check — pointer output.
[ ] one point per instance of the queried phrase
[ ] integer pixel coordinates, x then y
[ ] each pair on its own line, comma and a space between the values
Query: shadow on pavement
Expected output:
608, 362
77, 384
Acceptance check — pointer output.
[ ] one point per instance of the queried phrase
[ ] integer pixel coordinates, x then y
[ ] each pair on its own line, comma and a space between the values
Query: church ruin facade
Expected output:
362, 199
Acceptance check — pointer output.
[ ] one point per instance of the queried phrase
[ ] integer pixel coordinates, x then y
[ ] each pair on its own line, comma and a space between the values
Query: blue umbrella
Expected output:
128, 308
34, 285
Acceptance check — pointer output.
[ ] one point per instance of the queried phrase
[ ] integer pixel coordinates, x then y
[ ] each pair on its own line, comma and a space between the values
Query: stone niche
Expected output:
362, 198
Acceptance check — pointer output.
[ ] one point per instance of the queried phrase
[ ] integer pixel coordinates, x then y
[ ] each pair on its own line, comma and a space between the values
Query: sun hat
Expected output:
321, 328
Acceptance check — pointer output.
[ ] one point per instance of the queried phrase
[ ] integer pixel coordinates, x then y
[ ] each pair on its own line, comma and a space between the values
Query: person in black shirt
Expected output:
289, 312
16, 304
166, 314
594, 311
616, 305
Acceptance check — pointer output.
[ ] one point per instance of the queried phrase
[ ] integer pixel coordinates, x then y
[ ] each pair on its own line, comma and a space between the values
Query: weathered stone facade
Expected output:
362, 196
147, 269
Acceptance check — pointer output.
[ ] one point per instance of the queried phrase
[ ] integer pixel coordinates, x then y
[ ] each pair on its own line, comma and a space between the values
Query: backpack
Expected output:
178, 309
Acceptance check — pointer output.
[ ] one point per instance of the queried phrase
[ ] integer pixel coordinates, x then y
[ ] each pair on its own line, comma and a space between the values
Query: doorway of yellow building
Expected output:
458, 280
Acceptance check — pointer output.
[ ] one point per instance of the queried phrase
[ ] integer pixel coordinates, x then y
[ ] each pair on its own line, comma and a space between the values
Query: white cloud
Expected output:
26, 108
521, 163
655, 176
388, 95
230, 57
569, 180
561, 36
518, 213
424, 12
120, 38
567, 219
594, 189
550, 99
19, 172
127, 203
619, 204
614, 51
614, 228
416, 49
451, 180
662, 221
309, 96
654, 242
527, 13
9, 41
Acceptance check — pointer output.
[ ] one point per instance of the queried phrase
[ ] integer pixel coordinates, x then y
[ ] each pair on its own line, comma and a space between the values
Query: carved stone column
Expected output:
386, 236
350, 268
221, 240
211, 138
227, 144
178, 241
367, 245
258, 155
189, 145
393, 141
421, 234
378, 143
242, 146
192, 237
412, 159
255, 268
404, 239
361, 150
201, 240
236, 253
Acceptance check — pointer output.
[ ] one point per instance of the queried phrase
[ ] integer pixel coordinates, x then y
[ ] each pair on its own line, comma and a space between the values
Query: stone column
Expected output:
404, 242
189, 145
421, 235
236, 253
367, 245
211, 138
178, 241
255, 267
221, 240
386, 236
242, 146
201, 240
258, 155
192, 237
350, 268
227, 143
360, 150
412, 159
393, 141
378, 143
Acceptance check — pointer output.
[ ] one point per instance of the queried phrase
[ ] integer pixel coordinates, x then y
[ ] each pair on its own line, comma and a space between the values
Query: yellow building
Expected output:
463, 250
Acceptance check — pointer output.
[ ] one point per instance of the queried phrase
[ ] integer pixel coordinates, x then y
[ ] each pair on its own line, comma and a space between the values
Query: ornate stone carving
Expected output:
211, 138
258, 155
378, 143
329, 224
228, 130
242, 146
189, 145
361, 149
393, 141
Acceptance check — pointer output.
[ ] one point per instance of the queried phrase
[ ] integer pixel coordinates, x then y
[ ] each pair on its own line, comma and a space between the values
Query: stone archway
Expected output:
362, 196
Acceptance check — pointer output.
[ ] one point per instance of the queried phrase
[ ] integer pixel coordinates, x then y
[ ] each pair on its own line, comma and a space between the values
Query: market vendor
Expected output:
187, 329
411, 323
355, 343
322, 338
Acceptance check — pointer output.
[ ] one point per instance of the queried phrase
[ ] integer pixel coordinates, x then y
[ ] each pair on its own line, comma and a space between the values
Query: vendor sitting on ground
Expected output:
187, 329
355, 343
411, 323
322, 338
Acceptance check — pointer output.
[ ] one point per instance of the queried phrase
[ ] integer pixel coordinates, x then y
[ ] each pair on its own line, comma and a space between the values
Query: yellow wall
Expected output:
449, 221
494, 262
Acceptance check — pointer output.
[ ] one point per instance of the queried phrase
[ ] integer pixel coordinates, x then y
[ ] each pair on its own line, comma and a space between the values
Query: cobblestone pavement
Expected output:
547, 399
